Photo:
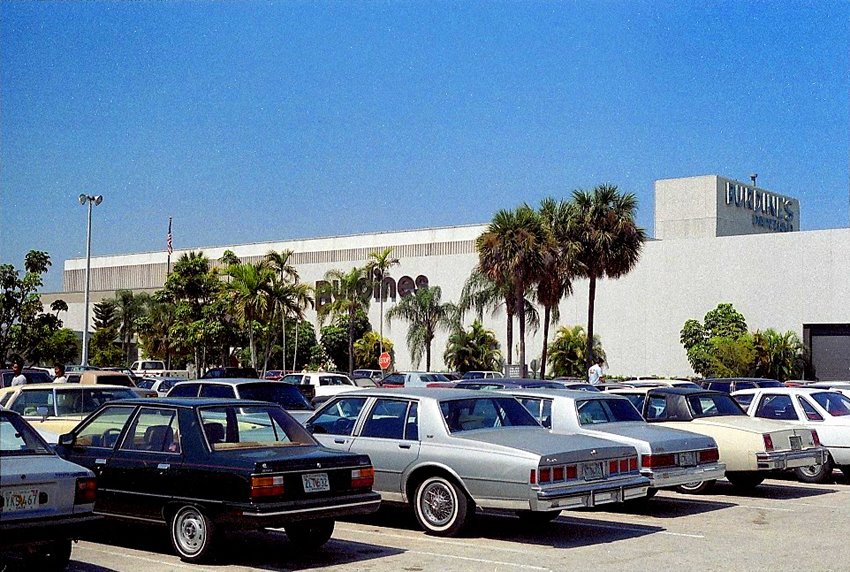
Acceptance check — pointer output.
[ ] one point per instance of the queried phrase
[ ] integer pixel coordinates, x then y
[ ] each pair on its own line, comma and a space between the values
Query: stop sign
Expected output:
384, 361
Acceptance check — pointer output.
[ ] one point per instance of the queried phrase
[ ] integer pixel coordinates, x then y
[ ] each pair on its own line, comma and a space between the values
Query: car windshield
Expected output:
287, 396
835, 404
16, 438
593, 411
770, 383
713, 405
145, 383
233, 427
433, 377
485, 413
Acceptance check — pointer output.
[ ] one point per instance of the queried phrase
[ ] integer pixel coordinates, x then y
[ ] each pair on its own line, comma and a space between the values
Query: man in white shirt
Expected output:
59, 373
18, 378
594, 374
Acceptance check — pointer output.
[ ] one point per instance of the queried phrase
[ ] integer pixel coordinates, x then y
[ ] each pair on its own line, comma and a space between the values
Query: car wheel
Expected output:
697, 487
815, 473
55, 556
534, 518
441, 507
746, 480
192, 534
310, 535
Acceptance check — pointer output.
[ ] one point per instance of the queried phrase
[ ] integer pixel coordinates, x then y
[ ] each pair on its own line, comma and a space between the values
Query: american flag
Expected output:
168, 238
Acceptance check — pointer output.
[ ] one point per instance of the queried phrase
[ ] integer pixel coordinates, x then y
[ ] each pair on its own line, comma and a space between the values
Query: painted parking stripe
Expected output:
143, 558
638, 529
479, 560
423, 538
751, 507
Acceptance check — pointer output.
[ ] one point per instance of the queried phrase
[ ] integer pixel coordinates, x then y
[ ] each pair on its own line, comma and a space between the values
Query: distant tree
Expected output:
351, 294
105, 314
334, 338
425, 313
779, 356
606, 240
368, 349
731, 357
378, 266
713, 346
250, 292
475, 349
129, 308
567, 352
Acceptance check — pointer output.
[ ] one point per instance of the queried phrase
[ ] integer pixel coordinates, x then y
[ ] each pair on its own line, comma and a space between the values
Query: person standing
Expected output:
595, 374
18, 378
59, 373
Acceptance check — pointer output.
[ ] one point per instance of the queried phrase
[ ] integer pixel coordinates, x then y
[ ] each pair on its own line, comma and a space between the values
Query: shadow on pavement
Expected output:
773, 489
264, 549
674, 506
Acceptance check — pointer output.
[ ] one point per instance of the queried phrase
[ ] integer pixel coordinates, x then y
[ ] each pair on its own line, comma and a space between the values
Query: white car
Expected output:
826, 411
325, 384
667, 457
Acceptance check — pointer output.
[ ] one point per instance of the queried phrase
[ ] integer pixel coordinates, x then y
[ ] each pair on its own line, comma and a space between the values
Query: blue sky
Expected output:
254, 121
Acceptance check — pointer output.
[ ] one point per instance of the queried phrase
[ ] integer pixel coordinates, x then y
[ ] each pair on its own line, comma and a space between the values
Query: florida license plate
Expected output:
316, 482
688, 459
592, 471
796, 442
20, 499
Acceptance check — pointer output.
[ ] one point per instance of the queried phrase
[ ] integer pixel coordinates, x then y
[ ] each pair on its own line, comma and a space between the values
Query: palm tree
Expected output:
250, 292
425, 313
555, 281
129, 308
351, 293
279, 262
606, 239
378, 265
568, 351
512, 253
476, 349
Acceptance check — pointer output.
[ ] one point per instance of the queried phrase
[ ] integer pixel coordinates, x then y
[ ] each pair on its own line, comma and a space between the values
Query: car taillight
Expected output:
768, 442
363, 478
815, 438
709, 456
655, 461
545, 475
617, 466
86, 490
266, 486
532, 477
633, 464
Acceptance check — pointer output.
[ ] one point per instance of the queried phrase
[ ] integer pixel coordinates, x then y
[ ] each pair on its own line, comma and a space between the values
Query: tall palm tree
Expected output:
512, 253
425, 313
351, 293
250, 292
379, 263
555, 281
606, 239
129, 308
286, 273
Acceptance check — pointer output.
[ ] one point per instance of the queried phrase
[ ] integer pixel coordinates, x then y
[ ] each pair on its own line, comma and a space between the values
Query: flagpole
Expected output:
170, 247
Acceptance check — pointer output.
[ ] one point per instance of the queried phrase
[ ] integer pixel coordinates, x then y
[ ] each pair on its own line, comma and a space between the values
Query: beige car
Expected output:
56, 408
749, 447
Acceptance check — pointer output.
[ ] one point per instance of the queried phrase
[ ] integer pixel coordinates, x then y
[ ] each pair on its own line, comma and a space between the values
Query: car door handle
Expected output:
404, 445
100, 461
163, 466
340, 441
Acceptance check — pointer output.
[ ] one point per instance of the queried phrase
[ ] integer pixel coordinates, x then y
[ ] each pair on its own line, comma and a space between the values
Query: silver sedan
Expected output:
450, 452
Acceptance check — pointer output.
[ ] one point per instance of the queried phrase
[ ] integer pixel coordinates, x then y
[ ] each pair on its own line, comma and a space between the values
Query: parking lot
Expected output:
782, 525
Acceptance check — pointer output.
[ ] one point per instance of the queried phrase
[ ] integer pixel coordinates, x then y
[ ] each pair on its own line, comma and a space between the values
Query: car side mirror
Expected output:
66, 439
42, 411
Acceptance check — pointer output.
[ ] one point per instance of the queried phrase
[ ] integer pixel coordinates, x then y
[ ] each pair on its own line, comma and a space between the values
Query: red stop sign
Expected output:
384, 361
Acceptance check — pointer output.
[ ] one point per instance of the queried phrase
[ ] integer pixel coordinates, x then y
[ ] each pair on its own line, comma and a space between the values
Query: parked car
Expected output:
285, 395
842, 387
320, 384
32, 375
56, 408
483, 375
274, 374
413, 379
107, 377
730, 384
512, 383
124, 370
750, 448
667, 457
828, 412
161, 385
373, 374
45, 501
231, 372
577, 385
448, 452
156, 367
205, 466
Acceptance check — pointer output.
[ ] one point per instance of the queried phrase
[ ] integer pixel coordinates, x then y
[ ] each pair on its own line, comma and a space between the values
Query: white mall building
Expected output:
717, 240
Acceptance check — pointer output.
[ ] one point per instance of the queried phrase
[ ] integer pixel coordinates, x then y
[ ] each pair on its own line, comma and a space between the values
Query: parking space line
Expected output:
480, 560
638, 529
153, 560
751, 507
424, 538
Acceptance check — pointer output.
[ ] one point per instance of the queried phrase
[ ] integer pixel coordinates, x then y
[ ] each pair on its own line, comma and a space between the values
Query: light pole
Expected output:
91, 200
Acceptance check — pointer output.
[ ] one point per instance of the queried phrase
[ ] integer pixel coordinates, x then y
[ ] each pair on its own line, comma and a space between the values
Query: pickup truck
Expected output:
152, 367
321, 385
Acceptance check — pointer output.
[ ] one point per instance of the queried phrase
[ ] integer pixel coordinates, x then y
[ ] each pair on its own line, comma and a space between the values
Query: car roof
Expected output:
552, 392
804, 390
55, 385
439, 393
229, 380
191, 401
730, 379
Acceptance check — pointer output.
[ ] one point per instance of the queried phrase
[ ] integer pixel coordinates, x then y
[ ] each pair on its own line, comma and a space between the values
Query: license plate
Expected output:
688, 459
796, 442
20, 499
316, 482
592, 471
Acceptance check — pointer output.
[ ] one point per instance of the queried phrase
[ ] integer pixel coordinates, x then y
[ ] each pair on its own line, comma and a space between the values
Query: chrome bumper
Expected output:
588, 494
675, 476
791, 459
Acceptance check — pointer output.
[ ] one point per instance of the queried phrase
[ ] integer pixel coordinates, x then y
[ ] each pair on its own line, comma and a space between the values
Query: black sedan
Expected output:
202, 466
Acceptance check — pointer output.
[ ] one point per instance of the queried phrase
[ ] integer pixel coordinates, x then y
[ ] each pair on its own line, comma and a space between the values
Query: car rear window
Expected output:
713, 406
835, 403
120, 379
232, 427
16, 438
485, 413
287, 396
593, 411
